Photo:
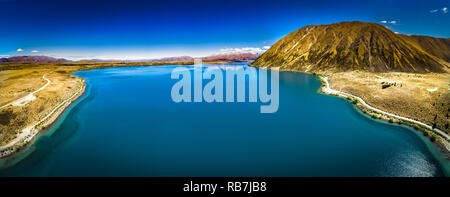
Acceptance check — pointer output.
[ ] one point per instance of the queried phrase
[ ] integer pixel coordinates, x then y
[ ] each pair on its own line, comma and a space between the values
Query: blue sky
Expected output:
149, 29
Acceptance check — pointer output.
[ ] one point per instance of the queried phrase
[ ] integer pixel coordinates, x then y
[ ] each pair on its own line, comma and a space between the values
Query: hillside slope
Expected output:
439, 47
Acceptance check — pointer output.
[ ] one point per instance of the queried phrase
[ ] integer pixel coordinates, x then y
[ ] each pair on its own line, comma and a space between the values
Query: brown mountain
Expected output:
38, 59
355, 45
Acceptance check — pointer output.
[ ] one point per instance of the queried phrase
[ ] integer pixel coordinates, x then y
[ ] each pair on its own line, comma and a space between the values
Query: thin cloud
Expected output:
35, 51
389, 22
4, 55
19, 50
266, 47
433, 11
444, 10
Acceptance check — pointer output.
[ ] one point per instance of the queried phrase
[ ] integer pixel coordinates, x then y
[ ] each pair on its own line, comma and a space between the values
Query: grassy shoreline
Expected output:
47, 123
28, 148
434, 137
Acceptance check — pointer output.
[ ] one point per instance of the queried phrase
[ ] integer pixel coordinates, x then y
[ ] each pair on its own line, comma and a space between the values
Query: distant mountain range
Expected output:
175, 59
39, 59
356, 45
235, 57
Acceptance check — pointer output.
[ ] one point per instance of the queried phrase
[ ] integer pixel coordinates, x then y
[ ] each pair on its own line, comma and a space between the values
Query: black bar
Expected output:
116, 185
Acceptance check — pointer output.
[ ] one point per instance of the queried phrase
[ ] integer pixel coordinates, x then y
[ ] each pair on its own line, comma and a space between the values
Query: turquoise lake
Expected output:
126, 124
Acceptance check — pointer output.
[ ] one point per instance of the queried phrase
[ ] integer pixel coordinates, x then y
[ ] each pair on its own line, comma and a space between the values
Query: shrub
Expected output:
433, 138
391, 120
384, 86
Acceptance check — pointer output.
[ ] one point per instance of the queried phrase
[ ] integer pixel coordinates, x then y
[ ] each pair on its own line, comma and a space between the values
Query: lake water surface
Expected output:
127, 125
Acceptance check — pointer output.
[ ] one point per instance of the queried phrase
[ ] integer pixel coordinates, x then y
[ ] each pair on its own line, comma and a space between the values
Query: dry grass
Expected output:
15, 84
408, 97
15, 118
